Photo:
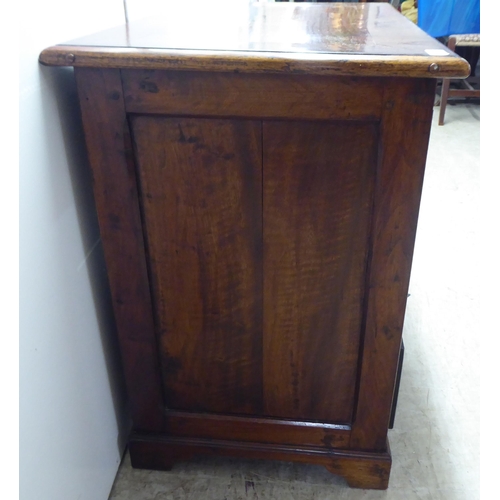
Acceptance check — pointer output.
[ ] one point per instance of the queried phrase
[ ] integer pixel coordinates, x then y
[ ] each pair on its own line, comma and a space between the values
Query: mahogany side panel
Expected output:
115, 192
318, 185
404, 137
252, 95
201, 192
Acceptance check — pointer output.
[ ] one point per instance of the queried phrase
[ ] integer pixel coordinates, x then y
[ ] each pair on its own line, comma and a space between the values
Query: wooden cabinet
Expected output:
258, 205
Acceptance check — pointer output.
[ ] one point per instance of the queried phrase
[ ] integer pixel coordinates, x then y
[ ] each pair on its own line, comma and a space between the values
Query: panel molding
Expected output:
258, 429
360, 469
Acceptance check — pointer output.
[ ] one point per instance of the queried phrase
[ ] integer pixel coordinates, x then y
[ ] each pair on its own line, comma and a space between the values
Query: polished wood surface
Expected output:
348, 28
396, 204
339, 38
318, 186
255, 429
201, 191
258, 212
278, 253
252, 96
116, 197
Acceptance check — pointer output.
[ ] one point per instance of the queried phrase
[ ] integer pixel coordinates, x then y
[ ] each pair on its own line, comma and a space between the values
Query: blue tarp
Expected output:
448, 17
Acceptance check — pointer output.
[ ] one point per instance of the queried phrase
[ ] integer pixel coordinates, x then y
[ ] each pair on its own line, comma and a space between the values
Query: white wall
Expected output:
73, 417
72, 406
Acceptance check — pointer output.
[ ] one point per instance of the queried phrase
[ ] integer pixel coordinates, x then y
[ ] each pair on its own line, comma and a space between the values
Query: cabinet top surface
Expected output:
318, 38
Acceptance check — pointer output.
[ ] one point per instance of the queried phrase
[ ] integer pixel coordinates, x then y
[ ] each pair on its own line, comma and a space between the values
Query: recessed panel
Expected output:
201, 190
318, 189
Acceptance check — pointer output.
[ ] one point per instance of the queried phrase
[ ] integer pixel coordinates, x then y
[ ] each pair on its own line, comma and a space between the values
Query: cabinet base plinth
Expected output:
359, 469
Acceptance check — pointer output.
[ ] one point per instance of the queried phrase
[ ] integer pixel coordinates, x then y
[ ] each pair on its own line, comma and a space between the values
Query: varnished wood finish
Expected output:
318, 186
258, 227
258, 96
360, 469
345, 28
331, 39
333, 64
201, 190
116, 198
263, 430
403, 151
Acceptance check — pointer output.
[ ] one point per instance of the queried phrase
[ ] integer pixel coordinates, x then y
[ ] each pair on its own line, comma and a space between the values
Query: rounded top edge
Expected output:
449, 66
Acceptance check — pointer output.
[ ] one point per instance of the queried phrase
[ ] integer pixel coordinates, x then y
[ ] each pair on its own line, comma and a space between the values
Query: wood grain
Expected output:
333, 28
404, 138
257, 188
116, 198
327, 38
256, 62
257, 96
201, 190
318, 185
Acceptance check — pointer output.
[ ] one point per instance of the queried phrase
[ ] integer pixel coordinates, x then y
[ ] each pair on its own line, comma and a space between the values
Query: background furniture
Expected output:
467, 90
258, 196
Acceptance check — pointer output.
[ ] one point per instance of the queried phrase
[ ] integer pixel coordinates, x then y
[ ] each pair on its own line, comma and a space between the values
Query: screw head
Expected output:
70, 58
434, 68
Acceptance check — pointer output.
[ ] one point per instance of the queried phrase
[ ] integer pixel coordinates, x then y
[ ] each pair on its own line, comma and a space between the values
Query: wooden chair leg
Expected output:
444, 100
